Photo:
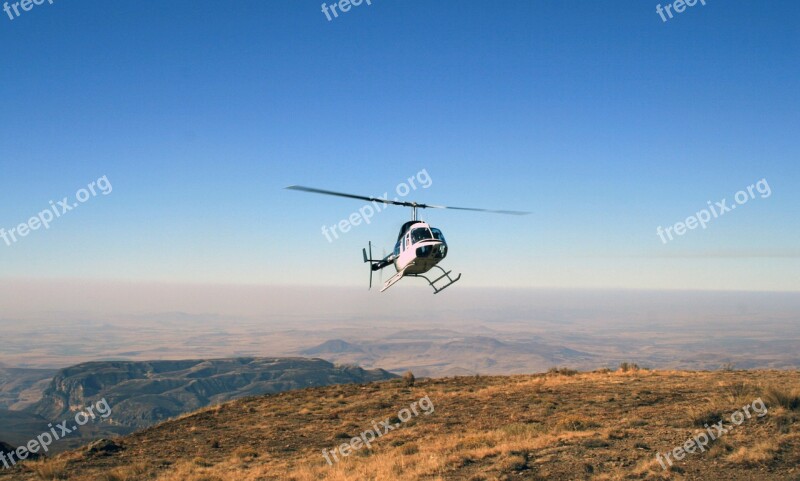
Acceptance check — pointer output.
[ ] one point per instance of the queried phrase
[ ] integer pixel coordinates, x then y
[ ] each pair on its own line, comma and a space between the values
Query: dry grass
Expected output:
775, 396
575, 422
562, 371
50, 469
762, 453
135, 472
603, 425
709, 412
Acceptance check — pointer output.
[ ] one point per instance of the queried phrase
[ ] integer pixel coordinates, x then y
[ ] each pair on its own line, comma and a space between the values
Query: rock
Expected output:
103, 447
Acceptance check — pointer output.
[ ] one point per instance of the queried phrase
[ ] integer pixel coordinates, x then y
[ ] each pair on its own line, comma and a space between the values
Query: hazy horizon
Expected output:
59, 323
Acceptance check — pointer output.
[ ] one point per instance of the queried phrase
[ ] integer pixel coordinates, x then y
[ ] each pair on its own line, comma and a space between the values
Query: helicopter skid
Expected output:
445, 274
393, 280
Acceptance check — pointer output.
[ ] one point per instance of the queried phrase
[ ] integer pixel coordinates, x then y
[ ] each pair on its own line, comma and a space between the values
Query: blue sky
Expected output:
599, 118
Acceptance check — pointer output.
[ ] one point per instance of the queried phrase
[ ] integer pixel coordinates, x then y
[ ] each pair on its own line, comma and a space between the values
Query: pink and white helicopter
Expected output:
419, 248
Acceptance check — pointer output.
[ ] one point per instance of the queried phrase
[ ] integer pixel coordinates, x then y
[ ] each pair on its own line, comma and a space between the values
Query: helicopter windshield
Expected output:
420, 234
437, 234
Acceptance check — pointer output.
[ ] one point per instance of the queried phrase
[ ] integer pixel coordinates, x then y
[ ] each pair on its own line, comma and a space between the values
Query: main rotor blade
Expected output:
397, 202
509, 212
352, 196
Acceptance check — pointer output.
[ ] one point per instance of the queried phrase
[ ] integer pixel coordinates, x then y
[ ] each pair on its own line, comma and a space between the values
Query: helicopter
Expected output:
420, 247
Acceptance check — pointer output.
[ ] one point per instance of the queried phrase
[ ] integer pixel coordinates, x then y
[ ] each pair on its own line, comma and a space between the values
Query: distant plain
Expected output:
529, 331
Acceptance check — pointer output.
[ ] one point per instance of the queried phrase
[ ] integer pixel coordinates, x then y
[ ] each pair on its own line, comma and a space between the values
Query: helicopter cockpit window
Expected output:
437, 234
420, 234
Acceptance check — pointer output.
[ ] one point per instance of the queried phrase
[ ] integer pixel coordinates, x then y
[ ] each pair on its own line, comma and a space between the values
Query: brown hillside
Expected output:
561, 425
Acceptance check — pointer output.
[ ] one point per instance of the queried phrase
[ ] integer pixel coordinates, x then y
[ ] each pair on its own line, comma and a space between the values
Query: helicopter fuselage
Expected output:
418, 249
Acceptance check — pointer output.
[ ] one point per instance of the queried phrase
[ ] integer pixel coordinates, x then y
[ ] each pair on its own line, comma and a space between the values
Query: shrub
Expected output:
134, 472
245, 453
514, 462
761, 453
575, 422
409, 449
707, 416
738, 391
51, 469
775, 397
562, 371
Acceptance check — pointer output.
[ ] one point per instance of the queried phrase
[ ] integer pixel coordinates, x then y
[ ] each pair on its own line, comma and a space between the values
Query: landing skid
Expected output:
393, 280
445, 274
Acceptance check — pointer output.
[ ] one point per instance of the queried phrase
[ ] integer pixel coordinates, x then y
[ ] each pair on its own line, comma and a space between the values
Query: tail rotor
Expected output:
368, 259
384, 257
375, 264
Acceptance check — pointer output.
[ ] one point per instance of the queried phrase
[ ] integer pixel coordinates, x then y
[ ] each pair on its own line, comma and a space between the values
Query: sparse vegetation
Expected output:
707, 415
135, 472
575, 422
739, 391
752, 456
50, 469
784, 397
628, 366
558, 425
245, 453
562, 371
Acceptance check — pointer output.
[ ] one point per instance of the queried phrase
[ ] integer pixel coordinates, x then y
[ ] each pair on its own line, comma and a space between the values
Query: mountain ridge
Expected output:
560, 426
